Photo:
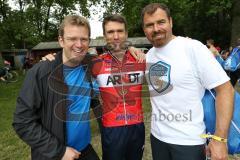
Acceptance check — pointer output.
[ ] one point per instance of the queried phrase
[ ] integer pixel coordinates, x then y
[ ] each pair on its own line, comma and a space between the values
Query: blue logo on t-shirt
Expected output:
159, 76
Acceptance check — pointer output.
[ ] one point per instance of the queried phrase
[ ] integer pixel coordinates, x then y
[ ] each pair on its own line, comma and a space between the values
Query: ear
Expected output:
60, 41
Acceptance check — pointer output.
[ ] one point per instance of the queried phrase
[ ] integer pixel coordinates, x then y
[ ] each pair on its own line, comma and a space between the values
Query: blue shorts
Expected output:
124, 142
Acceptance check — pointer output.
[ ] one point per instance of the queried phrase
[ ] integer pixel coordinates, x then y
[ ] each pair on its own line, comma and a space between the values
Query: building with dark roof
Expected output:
44, 48
14, 56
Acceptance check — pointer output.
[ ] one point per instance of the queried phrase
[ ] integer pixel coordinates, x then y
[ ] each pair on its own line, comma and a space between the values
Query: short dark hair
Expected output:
211, 41
74, 20
152, 7
114, 18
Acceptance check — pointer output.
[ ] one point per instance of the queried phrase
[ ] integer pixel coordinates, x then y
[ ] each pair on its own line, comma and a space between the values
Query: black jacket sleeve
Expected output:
27, 120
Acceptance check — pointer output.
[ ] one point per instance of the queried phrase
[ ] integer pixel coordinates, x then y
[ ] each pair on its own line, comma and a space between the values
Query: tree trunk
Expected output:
235, 22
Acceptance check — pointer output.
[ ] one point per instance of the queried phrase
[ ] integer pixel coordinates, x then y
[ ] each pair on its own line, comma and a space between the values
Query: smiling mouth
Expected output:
79, 52
158, 36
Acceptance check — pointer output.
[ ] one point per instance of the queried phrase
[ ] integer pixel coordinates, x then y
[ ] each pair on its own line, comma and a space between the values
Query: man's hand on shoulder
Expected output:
137, 54
71, 154
49, 57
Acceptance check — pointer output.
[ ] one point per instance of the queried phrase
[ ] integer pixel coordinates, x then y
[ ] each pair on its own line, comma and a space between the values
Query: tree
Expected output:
199, 19
235, 22
4, 12
33, 21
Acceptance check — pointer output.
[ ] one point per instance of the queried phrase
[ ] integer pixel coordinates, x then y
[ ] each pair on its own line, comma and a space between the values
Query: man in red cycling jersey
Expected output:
120, 80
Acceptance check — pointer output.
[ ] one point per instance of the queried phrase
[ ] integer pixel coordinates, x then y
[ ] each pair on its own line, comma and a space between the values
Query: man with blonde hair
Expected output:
52, 110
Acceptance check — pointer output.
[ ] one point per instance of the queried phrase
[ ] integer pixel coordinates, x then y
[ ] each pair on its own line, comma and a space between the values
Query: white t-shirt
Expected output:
178, 75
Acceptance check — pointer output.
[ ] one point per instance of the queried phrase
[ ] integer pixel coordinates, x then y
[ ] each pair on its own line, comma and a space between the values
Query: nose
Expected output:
156, 27
115, 35
78, 43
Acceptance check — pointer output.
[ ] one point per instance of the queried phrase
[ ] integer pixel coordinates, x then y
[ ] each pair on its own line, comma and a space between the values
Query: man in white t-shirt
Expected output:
178, 72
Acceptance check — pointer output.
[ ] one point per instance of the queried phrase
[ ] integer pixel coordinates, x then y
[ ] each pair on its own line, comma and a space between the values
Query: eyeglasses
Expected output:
75, 40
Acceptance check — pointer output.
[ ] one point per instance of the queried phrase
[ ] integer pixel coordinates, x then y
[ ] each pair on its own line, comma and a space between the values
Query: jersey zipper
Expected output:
123, 96
122, 87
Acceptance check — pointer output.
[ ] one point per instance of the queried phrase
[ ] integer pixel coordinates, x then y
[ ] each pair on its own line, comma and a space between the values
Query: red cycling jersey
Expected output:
120, 86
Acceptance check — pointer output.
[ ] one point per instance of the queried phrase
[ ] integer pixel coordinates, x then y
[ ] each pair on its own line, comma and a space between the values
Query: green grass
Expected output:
12, 148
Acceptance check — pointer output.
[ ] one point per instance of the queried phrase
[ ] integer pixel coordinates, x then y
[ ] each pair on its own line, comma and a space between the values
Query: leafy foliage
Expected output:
33, 21
199, 19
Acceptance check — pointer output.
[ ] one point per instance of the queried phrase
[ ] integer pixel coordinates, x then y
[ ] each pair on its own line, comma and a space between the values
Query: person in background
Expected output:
212, 48
225, 53
2, 70
3, 64
26, 64
235, 75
